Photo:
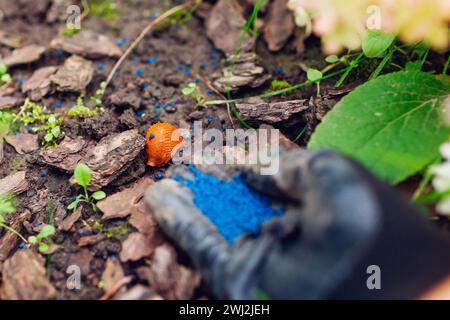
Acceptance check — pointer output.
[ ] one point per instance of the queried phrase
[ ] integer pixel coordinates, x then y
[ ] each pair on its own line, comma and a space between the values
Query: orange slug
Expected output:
163, 140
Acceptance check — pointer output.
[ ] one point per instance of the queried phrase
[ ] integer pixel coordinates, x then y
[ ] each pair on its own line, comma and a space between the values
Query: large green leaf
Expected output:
393, 124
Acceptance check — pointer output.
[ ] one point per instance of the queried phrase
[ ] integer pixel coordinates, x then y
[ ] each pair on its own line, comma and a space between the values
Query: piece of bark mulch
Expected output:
24, 278
168, 278
279, 25
138, 292
119, 205
112, 156
246, 72
272, 113
24, 142
142, 219
15, 183
70, 220
24, 55
39, 84
112, 274
90, 240
9, 240
7, 102
66, 155
74, 75
88, 44
224, 27
138, 246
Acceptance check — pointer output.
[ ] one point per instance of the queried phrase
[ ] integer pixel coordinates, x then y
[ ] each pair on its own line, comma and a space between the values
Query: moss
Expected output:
119, 232
276, 85
105, 9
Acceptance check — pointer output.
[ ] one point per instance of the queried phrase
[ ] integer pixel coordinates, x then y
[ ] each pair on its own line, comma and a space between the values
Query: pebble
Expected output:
42, 174
151, 60
159, 175
58, 104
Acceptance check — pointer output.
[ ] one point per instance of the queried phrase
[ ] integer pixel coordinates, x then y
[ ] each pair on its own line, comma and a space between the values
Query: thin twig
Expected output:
146, 30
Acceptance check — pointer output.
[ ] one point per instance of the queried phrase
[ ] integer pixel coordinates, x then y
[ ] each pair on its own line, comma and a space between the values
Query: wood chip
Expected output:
24, 55
9, 240
142, 219
272, 113
224, 27
138, 246
24, 278
246, 72
88, 44
66, 155
90, 240
68, 222
112, 274
15, 183
74, 75
170, 279
24, 142
39, 84
112, 156
279, 25
7, 102
120, 204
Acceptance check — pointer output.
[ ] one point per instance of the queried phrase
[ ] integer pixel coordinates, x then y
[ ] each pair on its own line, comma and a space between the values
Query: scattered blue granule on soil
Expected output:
232, 206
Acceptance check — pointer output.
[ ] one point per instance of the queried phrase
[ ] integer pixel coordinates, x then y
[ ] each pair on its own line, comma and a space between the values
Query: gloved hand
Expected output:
338, 221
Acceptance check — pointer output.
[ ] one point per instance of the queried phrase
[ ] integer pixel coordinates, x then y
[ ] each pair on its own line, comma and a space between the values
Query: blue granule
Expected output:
232, 206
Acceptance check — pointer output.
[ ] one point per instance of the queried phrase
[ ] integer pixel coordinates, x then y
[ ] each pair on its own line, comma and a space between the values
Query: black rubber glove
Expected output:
339, 220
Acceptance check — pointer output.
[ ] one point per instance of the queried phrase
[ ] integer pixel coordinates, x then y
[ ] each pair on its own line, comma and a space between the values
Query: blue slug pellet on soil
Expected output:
232, 206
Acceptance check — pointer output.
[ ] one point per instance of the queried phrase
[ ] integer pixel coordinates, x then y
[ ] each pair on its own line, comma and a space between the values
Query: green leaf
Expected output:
332, 59
72, 205
6, 78
32, 239
314, 75
46, 231
190, 89
99, 195
3, 69
48, 137
43, 247
56, 131
375, 43
413, 66
82, 175
393, 124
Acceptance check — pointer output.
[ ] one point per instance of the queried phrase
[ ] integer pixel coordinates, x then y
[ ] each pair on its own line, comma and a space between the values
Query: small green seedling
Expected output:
5, 77
7, 207
192, 89
69, 32
82, 176
53, 131
43, 239
34, 114
80, 110
315, 76
97, 97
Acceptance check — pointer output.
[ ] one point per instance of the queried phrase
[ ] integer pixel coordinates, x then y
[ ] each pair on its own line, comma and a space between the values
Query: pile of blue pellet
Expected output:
231, 205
